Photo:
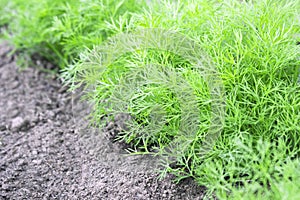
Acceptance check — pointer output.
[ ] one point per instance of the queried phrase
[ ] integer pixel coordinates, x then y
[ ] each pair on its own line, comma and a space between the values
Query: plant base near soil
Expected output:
47, 152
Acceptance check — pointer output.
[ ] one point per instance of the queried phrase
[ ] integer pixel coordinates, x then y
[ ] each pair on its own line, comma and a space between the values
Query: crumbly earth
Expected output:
48, 151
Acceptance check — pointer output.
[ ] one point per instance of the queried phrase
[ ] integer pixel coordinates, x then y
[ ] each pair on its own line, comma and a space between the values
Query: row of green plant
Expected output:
251, 44
60, 30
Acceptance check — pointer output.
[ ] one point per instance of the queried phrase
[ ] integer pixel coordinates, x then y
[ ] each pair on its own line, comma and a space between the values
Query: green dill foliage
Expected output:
5, 16
59, 30
4, 9
253, 45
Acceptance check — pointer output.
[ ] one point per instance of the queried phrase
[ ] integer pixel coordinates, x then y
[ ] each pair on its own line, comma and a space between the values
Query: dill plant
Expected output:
253, 45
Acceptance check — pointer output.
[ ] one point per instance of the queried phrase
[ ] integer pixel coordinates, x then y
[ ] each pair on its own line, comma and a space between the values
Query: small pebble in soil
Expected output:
19, 124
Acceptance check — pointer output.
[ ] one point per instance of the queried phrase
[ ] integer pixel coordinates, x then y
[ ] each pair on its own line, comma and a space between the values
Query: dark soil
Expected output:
47, 151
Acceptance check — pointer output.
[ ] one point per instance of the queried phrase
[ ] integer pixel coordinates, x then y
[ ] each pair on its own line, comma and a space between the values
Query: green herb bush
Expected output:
253, 45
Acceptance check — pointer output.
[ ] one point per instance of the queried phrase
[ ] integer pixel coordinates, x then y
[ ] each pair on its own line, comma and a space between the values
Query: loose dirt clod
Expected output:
19, 123
48, 152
